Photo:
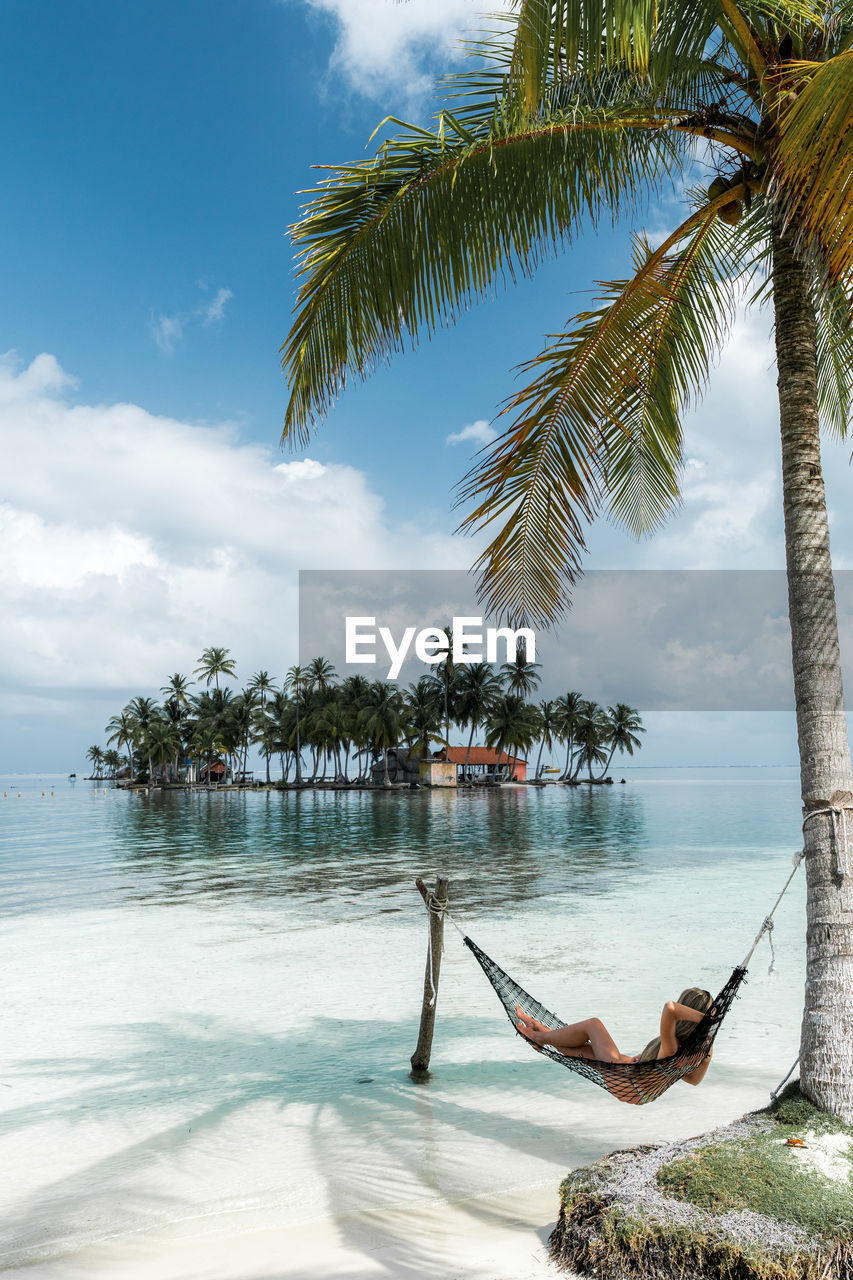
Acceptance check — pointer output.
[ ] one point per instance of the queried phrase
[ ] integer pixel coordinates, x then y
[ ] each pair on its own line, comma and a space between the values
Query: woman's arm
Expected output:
697, 1075
671, 1014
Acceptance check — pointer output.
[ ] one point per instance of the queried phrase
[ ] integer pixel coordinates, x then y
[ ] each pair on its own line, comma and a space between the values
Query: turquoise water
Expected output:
212, 999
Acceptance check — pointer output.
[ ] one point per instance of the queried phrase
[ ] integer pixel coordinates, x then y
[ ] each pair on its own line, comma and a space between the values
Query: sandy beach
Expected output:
484, 1238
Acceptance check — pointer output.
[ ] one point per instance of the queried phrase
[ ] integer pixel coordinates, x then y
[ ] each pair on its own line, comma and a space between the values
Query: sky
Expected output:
153, 156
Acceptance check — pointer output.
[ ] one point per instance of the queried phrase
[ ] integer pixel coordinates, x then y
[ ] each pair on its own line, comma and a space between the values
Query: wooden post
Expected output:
420, 1058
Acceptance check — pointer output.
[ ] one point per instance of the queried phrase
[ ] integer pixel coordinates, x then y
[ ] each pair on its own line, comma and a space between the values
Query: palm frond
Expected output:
396, 245
813, 158
834, 358
599, 424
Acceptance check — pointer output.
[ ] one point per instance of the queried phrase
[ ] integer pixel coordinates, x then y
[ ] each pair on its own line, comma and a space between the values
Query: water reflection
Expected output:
516, 843
331, 845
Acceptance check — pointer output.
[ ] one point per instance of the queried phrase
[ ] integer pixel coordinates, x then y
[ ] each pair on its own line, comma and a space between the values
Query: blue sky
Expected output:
152, 155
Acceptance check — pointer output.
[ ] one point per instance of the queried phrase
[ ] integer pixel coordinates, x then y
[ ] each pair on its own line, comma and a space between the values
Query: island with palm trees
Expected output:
325, 731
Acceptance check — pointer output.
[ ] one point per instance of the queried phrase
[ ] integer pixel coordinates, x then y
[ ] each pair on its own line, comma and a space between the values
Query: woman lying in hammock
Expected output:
591, 1039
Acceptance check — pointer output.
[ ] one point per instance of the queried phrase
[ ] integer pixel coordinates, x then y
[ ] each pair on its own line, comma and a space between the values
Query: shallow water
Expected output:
211, 999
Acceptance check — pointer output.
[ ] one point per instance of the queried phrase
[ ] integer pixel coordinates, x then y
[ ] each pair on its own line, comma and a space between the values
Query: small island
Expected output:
361, 733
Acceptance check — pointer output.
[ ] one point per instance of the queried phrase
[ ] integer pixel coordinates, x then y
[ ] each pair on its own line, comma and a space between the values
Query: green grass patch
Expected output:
763, 1174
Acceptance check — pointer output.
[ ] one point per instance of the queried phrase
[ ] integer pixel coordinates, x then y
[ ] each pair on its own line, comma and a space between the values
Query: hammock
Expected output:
641, 1082
636, 1082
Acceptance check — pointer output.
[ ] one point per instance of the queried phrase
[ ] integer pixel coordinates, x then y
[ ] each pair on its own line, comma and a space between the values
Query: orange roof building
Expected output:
486, 760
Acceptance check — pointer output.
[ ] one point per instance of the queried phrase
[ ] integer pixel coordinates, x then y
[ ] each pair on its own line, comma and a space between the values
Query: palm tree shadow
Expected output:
381, 1143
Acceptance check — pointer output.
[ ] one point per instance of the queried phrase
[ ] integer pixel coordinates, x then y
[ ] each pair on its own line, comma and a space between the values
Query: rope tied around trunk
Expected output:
838, 806
437, 907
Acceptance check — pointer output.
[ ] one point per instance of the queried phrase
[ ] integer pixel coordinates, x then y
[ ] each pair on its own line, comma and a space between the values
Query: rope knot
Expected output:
837, 806
768, 928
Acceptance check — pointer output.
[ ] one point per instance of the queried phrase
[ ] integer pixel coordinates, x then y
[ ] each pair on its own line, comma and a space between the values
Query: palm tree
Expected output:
112, 761
295, 682
354, 691
625, 724
511, 724
214, 663
580, 111
592, 734
548, 727
444, 678
120, 731
521, 675
321, 674
423, 716
177, 689
163, 742
261, 682
477, 688
568, 708
96, 755
382, 719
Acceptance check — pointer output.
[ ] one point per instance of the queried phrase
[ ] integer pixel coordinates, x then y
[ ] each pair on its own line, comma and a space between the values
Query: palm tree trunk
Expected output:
298, 747
826, 1046
470, 740
603, 773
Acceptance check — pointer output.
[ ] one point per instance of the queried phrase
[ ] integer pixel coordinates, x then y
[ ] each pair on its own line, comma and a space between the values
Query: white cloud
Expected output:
168, 331
382, 43
480, 432
215, 309
130, 542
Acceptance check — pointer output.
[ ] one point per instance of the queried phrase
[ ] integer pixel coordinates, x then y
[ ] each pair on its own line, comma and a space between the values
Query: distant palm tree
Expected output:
331, 729
177, 689
548, 728
568, 709
477, 688
242, 719
296, 682
143, 712
354, 691
444, 678
592, 733
162, 743
261, 683
267, 736
214, 663
120, 730
96, 755
112, 761
625, 724
521, 675
511, 724
321, 674
423, 716
382, 719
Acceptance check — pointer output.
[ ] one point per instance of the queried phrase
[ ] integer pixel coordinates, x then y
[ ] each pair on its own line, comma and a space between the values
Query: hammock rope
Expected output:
838, 806
640, 1082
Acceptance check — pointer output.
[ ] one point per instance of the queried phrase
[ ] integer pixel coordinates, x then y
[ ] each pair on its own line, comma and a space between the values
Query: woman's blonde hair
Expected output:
694, 998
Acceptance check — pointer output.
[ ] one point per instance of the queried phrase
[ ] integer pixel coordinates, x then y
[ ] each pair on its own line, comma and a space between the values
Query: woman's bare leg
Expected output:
587, 1039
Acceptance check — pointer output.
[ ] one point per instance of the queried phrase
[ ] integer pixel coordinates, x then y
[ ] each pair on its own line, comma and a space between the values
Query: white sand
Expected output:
827, 1154
484, 1238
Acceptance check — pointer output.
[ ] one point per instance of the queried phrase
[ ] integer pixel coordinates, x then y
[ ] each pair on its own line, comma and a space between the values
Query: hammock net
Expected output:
635, 1082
